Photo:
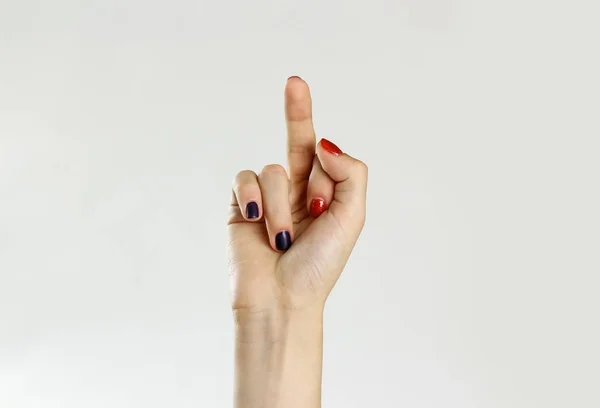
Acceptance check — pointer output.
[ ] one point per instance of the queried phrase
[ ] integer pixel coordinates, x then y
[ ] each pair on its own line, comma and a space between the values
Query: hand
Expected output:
289, 239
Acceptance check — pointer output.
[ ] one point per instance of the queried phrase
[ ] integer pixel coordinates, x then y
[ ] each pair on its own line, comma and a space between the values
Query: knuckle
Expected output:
362, 168
273, 169
244, 190
301, 149
243, 177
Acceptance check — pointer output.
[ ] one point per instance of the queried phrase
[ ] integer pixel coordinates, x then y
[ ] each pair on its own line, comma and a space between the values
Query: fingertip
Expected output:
340, 166
297, 90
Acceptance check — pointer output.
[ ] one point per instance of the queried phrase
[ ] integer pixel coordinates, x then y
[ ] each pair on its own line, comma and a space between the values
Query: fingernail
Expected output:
252, 210
317, 207
283, 241
330, 147
294, 76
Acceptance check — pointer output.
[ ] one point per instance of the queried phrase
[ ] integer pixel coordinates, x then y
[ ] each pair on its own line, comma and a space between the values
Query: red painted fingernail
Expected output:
317, 207
294, 76
331, 147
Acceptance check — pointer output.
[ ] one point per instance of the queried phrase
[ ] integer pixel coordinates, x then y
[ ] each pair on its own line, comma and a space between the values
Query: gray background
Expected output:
122, 124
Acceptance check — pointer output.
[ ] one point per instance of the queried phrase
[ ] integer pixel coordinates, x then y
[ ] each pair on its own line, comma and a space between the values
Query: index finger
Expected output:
300, 132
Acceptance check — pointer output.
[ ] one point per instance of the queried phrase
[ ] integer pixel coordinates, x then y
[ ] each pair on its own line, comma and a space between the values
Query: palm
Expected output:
262, 276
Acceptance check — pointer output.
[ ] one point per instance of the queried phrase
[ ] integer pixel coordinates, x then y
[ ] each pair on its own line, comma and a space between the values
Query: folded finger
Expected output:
247, 194
320, 190
274, 185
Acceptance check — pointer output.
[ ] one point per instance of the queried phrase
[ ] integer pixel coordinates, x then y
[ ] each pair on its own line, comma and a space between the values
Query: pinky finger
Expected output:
246, 192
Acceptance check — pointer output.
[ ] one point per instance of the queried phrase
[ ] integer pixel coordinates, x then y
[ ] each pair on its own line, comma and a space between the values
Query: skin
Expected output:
278, 296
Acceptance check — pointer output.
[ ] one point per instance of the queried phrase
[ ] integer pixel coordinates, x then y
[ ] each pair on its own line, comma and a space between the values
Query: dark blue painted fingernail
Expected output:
252, 210
283, 240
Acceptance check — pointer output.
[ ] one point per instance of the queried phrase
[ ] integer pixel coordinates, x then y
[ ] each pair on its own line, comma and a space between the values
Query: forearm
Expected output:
278, 359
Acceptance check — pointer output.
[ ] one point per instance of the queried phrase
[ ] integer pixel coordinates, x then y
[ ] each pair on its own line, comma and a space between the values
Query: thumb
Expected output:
350, 176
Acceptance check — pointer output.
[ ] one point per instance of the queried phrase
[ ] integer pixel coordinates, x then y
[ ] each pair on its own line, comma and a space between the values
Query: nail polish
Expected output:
294, 76
283, 240
330, 147
252, 210
317, 207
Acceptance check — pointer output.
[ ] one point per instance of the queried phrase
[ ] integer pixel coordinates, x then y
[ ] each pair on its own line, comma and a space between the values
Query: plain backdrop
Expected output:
122, 124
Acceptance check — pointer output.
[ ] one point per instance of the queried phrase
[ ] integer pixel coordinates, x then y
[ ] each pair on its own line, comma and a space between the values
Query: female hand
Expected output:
289, 239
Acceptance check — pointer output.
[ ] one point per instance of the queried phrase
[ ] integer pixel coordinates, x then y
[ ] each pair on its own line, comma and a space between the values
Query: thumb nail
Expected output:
331, 147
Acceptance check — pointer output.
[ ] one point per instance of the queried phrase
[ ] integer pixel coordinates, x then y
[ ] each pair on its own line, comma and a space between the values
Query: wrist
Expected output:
275, 324
278, 358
